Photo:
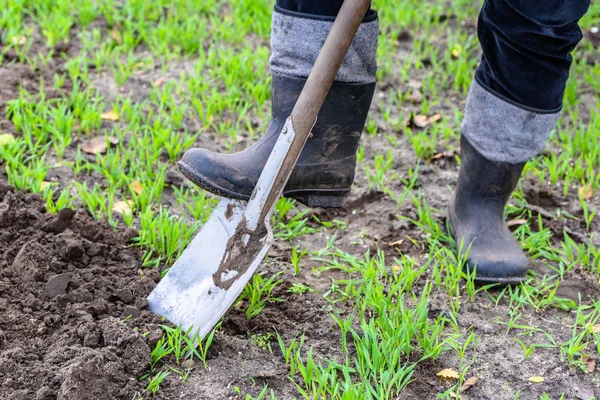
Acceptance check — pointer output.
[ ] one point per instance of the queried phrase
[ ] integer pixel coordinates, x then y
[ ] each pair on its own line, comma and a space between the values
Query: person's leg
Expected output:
512, 106
325, 170
328, 8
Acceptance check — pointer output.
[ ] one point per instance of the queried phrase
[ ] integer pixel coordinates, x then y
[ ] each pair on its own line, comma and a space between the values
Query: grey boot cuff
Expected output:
296, 40
502, 131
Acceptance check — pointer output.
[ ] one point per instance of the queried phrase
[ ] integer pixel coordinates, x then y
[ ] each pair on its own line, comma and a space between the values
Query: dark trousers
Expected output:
526, 46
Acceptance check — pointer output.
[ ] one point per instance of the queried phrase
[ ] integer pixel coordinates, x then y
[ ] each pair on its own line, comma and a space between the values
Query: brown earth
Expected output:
74, 326
68, 286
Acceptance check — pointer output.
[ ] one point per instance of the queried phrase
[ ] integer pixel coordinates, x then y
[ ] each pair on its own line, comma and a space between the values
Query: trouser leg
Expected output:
315, 7
517, 94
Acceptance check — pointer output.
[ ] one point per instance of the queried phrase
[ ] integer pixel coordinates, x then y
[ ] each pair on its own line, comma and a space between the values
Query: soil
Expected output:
71, 292
75, 324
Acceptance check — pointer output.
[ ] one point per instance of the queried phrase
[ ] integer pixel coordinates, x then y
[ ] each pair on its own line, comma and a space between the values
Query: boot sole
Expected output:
483, 280
321, 198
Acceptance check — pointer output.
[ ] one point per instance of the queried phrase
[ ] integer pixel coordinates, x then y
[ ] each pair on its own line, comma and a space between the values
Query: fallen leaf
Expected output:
122, 207
514, 222
159, 82
115, 33
110, 116
435, 118
397, 268
396, 243
98, 145
448, 374
444, 154
136, 186
44, 185
590, 363
6, 138
596, 328
454, 395
536, 379
18, 39
420, 120
586, 192
468, 383
456, 50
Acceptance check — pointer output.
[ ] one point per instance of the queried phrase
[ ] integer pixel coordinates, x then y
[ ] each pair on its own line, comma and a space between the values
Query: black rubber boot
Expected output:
476, 218
325, 170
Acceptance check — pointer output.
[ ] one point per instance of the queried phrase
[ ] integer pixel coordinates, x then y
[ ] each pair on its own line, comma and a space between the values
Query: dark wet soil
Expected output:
71, 294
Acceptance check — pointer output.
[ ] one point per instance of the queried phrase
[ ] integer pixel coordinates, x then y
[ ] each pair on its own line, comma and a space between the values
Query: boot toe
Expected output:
213, 172
498, 266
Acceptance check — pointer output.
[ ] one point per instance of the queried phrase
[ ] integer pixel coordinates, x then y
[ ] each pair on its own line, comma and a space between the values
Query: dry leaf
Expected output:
596, 328
136, 186
443, 154
590, 363
420, 120
468, 383
396, 243
44, 185
122, 207
98, 145
514, 222
586, 192
448, 374
397, 268
110, 116
435, 118
159, 82
456, 50
536, 379
6, 138
115, 33
18, 39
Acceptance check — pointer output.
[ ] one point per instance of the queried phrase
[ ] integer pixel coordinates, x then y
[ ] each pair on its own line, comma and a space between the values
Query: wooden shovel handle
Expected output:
317, 86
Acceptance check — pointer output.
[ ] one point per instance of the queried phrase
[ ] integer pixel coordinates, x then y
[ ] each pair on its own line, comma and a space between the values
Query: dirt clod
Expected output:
57, 285
67, 285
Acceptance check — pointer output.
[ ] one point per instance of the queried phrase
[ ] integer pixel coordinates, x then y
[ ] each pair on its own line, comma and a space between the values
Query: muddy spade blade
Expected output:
212, 271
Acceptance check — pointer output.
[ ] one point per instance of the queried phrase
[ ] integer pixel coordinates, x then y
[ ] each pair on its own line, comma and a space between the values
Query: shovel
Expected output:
213, 270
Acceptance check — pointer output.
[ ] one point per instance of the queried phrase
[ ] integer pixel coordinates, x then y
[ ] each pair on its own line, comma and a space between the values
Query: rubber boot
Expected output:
476, 218
325, 169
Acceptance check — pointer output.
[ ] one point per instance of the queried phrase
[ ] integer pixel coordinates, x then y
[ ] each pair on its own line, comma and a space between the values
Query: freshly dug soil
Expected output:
71, 293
